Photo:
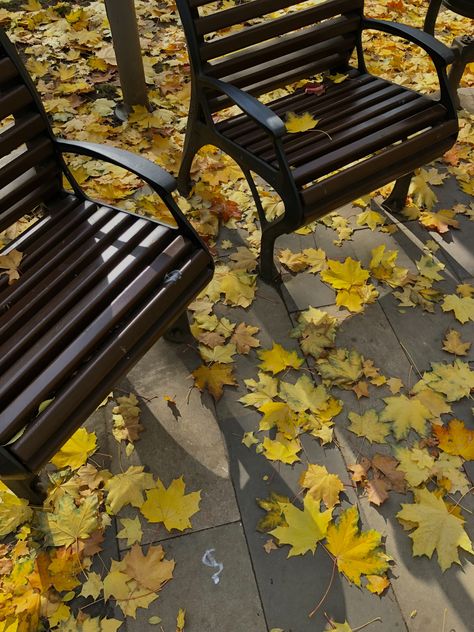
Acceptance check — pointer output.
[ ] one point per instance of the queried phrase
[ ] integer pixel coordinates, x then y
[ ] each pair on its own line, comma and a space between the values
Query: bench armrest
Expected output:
438, 52
260, 113
159, 179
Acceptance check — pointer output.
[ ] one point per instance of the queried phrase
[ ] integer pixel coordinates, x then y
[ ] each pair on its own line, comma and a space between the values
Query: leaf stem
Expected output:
321, 601
366, 624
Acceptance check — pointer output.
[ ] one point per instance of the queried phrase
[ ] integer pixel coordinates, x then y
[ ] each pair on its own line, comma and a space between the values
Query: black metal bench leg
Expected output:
179, 331
431, 16
395, 203
27, 488
267, 269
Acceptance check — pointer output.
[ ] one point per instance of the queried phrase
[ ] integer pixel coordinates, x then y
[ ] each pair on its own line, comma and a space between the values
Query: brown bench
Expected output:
372, 131
97, 286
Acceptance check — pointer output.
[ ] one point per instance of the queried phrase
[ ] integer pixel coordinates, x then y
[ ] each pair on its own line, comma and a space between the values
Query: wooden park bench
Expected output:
370, 131
97, 286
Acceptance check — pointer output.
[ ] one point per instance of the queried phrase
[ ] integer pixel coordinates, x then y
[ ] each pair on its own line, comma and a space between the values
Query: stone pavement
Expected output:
258, 591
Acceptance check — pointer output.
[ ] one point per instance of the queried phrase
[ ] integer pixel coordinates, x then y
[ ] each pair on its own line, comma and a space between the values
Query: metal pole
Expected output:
126, 42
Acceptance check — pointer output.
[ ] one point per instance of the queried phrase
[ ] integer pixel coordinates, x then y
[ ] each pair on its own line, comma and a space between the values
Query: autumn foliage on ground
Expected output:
412, 442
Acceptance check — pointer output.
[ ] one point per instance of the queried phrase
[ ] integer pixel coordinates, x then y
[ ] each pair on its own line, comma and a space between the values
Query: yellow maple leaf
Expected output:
453, 343
151, 571
377, 583
131, 530
278, 414
9, 265
76, 450
369, 425
68, 522
456, 439
304, 529
263, 391
277, 359
421, 193
415, 463
463, 308
13, 511
294, 261
299, 122
220, 353
343, 276
322, 485
213, 378
441, 221
437, 529
238, 287
357, 552
341, 367
429, 267
405, 414
127, 488
369, 218
338, 77
455, 380
171, 506
281, 449
304, 395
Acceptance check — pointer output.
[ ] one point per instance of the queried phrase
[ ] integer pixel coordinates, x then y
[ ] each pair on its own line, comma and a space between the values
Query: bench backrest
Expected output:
261, 45
30, 171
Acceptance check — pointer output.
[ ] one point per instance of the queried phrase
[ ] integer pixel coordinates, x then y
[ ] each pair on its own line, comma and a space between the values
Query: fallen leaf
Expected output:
171, 506
453, 343
463, 308
357, 552
322, 485
76, 450
456, 439
304, 529
437, 529
277, 359
299, 122
405, 414
9, 265
369, 426
127, 488
213, 378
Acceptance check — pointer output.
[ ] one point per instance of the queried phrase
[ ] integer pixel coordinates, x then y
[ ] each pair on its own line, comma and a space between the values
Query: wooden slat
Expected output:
252, 137
346, 134
299, 101
291, 61
370, 143
282, 79
41, 194
8, 70
39, 151
386, 166
114, 358
37, 379
14, 100
341, 117
24, 129
75, 277
51, 250
282, 46
273, 28
241, 13
26, 183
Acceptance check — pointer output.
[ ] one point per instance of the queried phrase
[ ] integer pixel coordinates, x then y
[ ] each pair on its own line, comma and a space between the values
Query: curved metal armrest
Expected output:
159, 179
441, 55
262, 115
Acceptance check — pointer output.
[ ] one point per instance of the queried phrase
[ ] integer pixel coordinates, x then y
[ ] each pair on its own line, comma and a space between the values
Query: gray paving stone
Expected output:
190, 446
232, 605
290, 588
